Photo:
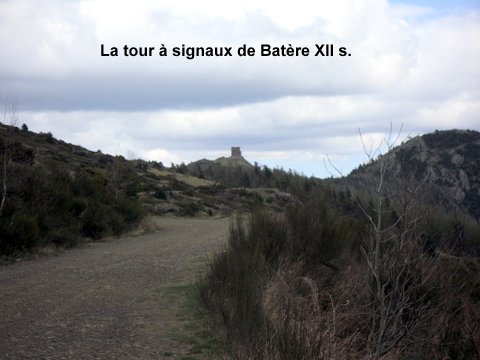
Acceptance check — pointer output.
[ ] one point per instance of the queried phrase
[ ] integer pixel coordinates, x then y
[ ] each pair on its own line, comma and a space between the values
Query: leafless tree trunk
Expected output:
9, 117
399, 271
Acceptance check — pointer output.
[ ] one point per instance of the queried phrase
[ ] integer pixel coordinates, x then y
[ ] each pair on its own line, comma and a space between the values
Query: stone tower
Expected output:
236, 152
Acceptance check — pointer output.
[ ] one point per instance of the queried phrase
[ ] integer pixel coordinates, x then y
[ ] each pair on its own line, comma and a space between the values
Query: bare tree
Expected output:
399, 273
131, 155
9, 117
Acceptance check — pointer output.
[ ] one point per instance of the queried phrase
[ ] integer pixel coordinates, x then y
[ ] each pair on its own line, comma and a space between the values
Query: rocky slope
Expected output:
444, 164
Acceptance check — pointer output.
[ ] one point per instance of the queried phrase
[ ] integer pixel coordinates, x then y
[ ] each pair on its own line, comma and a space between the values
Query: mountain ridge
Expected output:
446, 161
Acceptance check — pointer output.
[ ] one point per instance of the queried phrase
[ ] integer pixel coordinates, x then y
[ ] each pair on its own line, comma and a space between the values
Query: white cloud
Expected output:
409, 65
447, 58
64, 39
159, 154
458, 112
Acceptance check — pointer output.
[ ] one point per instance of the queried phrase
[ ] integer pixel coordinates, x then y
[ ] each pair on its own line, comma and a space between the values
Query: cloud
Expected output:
293, 132
410, 64
57, 47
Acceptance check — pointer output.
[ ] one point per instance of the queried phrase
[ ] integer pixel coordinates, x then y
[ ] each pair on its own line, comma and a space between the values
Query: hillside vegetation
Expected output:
446, 161
57, 193
60, 194
371, 266
381, 264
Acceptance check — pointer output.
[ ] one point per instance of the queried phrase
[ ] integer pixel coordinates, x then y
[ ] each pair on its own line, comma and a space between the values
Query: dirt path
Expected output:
120, 299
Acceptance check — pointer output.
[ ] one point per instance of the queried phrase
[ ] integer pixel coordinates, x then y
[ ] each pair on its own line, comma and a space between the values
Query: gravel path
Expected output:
100, 301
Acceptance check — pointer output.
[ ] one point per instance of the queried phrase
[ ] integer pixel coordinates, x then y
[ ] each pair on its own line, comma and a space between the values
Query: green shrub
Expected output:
77, 206
160, 194
49, 137
188, 208
19, 233
95, 221
232, 290
59, 204
116, 223
64, 237
130, 210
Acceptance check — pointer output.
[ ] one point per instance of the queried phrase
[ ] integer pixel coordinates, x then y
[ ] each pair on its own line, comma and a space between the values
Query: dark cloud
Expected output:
150, 93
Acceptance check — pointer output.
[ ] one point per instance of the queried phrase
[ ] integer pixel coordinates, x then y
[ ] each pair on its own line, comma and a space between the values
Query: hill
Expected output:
380, 264
370, 265
444, 162
231, 171
235, 160
208, 166
60, 193
444, 165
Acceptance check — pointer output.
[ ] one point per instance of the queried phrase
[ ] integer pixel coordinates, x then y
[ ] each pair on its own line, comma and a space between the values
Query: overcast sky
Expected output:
415, 63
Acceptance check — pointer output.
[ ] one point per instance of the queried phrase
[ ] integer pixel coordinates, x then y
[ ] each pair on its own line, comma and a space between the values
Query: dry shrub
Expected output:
279, 291
310, 323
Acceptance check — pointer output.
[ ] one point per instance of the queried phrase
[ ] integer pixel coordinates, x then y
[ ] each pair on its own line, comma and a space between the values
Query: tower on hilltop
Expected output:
236, 152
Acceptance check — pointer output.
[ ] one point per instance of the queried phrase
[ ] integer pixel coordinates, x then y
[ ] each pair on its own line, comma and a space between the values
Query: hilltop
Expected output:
103, 194
444, 164
60, 193
214, 169
236, 159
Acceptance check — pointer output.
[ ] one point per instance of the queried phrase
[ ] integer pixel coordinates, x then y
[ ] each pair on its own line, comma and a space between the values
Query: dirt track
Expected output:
100, 301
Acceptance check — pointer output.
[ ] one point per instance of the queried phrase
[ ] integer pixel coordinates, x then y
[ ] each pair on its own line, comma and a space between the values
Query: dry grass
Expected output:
189, 180
280, 292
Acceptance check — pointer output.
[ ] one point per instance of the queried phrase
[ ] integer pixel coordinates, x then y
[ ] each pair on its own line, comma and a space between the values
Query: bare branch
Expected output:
339, 172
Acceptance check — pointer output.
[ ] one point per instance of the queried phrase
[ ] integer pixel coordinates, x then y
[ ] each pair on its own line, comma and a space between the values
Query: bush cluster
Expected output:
295, 285
51, 204
259, 248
